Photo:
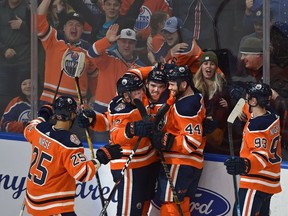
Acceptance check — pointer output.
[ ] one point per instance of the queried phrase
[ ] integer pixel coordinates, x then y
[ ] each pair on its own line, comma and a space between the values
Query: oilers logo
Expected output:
143, 19
73, 63
25, 116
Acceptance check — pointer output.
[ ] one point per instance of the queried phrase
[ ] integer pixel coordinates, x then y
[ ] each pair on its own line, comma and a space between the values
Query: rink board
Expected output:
215, 195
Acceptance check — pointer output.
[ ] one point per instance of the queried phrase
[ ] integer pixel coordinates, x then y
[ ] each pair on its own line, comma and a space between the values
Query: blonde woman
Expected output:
211, 84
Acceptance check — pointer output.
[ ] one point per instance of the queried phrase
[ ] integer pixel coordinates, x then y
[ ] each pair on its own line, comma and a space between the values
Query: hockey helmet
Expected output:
260, 91
157, 75
129, 82
180, 73
64, 106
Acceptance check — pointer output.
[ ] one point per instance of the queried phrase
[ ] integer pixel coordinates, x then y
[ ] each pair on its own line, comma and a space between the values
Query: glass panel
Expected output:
221, 26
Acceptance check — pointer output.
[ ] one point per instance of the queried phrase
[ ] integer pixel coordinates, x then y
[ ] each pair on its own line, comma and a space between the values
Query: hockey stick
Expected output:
160, 114
231, 118
145, 117
73, 64
64, 59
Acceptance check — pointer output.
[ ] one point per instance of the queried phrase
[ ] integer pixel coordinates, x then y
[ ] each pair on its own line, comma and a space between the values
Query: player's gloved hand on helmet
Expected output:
46, 111
237, 166
86, 118
109, 152
139, 128
162, 141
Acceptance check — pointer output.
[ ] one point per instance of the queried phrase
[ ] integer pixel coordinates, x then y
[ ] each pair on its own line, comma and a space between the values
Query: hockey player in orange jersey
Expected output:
181, 142
58, 160
260, 155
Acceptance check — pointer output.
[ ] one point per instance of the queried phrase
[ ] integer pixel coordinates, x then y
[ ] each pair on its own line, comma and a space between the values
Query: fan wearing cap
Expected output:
55, 46
213, 88
179, 45
251, 56
112, 64
111, 15
278, 8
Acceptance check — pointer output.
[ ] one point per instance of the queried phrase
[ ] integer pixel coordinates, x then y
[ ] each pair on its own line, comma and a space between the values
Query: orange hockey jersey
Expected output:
262, 146
57, 161
120, 114
55, 46
184, 120
110, 67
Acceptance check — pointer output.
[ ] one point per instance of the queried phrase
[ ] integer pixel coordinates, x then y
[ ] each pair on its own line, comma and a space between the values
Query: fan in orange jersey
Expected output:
58, 160
260, 155
181, 142
55, 46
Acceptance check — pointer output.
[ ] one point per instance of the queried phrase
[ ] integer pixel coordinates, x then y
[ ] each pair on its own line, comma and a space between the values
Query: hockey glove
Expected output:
162, 141
139, 128
237, 166
46, 111
209, 125
109, 152
84, 118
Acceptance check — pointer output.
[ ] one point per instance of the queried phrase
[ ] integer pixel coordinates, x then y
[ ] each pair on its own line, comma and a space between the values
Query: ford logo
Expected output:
207, 202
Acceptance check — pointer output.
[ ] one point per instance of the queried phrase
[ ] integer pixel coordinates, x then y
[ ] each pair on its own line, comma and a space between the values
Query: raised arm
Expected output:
43, 7
93, 20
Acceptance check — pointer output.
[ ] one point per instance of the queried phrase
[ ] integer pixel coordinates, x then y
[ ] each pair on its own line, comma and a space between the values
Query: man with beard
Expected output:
181, 142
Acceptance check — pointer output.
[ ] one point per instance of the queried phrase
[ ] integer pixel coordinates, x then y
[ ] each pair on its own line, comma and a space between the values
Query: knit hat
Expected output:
172, 24
128, 34
209, 56
74, 16
251, 45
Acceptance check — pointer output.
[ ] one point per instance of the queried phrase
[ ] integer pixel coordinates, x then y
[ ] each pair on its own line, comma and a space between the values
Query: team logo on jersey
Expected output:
73, 63
74, 139
120, 107
25, 116
143, 19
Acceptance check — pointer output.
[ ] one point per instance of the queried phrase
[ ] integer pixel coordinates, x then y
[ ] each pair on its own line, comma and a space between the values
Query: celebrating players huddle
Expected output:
156, 118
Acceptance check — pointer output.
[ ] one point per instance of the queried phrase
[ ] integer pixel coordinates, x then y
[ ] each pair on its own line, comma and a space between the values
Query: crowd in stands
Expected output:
119, 35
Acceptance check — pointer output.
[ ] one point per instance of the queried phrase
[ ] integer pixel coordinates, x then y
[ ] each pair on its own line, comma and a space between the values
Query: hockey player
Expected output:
181, 142
260, 155
58, 160
126, 126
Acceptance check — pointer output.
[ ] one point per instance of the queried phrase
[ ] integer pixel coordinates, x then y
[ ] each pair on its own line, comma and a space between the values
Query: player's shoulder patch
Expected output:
74, 139
120, 106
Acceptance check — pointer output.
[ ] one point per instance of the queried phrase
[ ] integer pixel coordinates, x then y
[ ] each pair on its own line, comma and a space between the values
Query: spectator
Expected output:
278, 41
55, 45
181, 142
179, 46
111, 65
251, 51
18, 112
260, 155
102, 22
143, 21
64, 160
156, 39
279, 9
213, 88
14, 47
57, 13
215, 24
